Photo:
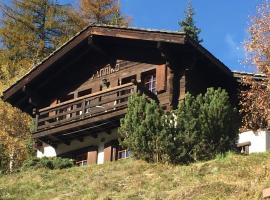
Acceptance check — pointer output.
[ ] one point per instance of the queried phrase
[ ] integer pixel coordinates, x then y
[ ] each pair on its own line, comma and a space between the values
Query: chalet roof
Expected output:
256, 76
131, 34
87, 27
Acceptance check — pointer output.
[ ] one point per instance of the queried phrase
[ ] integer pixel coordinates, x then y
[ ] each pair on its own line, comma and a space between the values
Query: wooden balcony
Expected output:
92, 110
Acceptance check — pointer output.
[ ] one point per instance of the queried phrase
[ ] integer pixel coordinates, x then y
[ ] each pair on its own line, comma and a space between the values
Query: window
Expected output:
84, 92
81, 159
128, 79
128, 91
149, 80
66, 98
122, 154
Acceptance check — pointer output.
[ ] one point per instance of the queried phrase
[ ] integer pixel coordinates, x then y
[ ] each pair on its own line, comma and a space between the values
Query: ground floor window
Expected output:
81, 160
122, 154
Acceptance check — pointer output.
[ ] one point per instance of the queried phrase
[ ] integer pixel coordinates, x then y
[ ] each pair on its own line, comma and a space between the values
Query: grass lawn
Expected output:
229, 177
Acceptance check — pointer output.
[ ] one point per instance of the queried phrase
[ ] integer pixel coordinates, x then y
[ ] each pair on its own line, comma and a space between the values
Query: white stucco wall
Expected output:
102, 138
100, 158
260, 140
46, 151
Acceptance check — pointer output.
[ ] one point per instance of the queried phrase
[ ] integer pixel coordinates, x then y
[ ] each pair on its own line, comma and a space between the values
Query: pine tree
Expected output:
30, 30
188, 25
187, 129
143, 131
206, 125
102, 12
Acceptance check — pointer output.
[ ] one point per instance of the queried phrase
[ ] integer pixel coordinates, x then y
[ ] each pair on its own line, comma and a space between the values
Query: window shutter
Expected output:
92, 157
161, 76
108, 154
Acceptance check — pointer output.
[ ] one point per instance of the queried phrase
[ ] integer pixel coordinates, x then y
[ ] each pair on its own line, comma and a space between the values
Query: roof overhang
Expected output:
121, 36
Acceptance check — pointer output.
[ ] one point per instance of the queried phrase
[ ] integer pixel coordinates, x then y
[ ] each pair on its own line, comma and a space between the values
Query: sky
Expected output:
224, 23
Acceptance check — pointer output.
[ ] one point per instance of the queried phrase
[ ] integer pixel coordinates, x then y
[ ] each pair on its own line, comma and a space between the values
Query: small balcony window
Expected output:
149, 80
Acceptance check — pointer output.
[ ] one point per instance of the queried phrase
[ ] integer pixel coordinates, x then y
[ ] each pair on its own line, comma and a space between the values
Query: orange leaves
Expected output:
255, 96
102, 12
258, 46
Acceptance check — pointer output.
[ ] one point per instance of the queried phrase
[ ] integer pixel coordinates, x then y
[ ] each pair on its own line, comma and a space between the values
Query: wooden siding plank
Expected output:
161, 77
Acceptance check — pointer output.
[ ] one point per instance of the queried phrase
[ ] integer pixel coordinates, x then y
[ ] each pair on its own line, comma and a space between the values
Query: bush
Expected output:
142, 130
200, 128
206, 126
48, 163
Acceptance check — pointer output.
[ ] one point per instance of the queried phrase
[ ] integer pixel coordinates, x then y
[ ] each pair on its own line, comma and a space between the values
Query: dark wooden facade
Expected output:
83, 87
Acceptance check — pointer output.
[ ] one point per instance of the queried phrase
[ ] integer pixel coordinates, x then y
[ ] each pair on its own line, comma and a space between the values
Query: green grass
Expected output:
226, 177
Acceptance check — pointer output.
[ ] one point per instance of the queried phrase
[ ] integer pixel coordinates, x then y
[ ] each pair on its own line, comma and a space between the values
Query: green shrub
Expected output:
49, 163
199, 129
142, 130
206, 126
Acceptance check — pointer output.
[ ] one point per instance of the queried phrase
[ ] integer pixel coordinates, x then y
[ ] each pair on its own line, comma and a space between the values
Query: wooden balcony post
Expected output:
83, 108
173, 85
35, 113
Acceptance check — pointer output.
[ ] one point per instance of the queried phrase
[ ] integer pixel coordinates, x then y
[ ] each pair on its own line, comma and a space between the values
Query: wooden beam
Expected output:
31, 95
53, 58
93, 45
138, 34
64, 67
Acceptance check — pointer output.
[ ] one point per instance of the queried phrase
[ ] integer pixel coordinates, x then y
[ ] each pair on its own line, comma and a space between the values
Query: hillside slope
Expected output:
232, 177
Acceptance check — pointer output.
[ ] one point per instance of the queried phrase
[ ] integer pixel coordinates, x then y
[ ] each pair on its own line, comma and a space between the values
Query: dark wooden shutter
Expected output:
92, 157
108, 154
161, 78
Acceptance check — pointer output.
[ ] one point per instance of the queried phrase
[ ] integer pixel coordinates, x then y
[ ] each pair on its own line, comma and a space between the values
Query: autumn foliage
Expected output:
255, 96
102, 12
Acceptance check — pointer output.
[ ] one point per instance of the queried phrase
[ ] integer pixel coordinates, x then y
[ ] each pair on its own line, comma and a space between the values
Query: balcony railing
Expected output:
92, 105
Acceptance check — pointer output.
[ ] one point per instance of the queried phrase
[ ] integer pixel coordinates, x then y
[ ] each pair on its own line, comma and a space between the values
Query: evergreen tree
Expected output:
142, 130
188, 25
102, 12
32, 29
187, 129
200, 128
206, 125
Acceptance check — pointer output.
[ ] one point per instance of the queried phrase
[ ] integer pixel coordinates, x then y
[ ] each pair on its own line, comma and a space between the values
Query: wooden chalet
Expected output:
78, 94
